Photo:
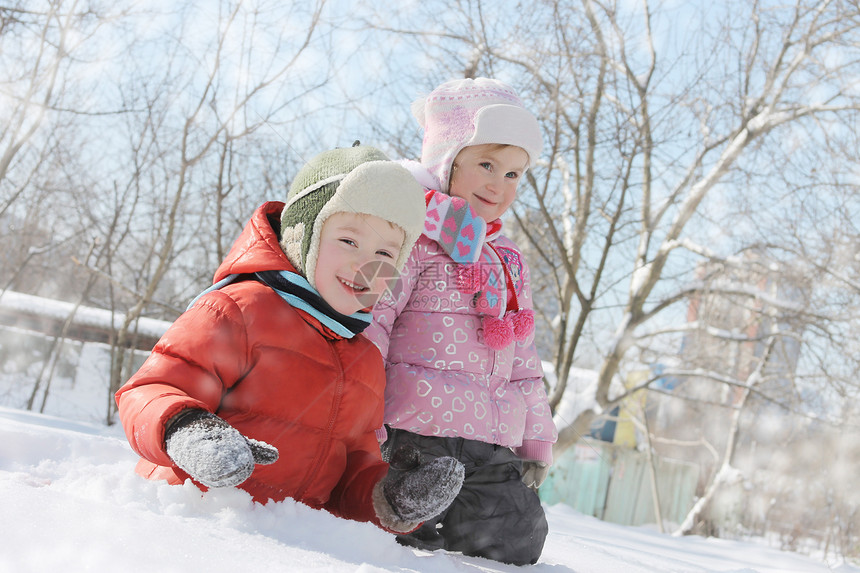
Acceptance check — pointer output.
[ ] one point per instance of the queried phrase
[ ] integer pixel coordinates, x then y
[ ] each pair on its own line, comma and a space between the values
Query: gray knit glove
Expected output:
212, 451
417, 491
534, 472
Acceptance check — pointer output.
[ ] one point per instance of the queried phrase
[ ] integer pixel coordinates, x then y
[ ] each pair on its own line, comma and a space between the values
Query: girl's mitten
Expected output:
534, 473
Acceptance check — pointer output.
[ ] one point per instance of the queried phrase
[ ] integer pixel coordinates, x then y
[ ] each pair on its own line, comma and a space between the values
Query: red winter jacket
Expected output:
277, 375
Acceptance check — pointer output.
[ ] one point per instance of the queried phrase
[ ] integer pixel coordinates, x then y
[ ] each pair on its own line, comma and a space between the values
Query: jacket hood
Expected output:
257, 248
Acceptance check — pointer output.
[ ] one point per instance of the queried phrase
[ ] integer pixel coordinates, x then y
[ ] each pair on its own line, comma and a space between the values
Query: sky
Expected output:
72, 502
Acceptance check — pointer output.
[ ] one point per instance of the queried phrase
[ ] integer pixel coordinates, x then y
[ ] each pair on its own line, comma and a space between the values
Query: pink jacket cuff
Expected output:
535, 450
381, 434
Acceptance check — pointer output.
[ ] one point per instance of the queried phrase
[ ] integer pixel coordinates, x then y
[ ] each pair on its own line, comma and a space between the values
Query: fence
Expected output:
66, 377
613, 483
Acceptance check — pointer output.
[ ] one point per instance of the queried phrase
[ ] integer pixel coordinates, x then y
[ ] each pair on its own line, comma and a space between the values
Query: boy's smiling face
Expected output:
486, 176
350, 244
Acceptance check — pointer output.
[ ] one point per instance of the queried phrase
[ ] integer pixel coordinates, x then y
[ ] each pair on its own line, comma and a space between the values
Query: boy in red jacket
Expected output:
270, 358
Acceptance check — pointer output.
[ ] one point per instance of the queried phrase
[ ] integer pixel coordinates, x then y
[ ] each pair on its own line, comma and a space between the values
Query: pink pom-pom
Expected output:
498, 333
469, 278
523, 323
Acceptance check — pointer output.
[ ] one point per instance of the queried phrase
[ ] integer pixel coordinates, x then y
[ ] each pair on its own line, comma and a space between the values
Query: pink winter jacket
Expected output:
442, 378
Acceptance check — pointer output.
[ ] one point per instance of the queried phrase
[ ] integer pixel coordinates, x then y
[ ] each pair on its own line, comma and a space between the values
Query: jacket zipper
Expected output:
326, 446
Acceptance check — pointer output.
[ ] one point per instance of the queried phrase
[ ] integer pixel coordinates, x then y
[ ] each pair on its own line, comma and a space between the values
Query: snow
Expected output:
578, 396
72, 502
84, 315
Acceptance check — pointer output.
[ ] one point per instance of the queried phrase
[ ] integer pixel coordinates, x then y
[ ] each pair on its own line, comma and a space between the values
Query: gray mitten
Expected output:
212, 451
534, 472
417, 491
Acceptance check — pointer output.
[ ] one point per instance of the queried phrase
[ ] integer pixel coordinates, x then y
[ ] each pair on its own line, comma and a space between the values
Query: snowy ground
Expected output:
71, 502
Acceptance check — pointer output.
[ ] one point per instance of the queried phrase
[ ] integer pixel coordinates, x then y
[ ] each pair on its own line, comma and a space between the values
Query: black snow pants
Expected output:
495, 515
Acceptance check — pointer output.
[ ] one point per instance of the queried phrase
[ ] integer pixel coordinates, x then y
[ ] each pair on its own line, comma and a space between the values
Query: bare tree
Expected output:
765, 103
218, 112
727, 471
150, 134
640, 141
45, 52
679, 137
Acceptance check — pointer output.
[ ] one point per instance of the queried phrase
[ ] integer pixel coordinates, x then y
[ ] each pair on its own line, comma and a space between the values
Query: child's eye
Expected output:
512, 174
385, 254
349, 242
487, 165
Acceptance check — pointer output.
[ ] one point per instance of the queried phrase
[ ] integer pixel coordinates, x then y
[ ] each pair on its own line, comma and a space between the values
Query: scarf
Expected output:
493, 275
451, 222
298, 293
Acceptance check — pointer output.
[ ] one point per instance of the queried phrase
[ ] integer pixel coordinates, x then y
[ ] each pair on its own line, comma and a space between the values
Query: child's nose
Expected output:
360, 260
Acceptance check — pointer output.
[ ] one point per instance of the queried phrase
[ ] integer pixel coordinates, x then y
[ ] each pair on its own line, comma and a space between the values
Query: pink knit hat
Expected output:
467, 112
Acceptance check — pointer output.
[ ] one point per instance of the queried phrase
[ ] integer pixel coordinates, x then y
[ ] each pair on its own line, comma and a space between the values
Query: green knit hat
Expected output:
358, 179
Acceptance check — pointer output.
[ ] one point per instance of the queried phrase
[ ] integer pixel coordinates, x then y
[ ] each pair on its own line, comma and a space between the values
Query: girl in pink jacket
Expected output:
463, 375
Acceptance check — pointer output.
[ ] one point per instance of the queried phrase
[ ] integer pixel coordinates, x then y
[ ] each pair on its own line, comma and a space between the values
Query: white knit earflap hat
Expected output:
358, 179
467, 112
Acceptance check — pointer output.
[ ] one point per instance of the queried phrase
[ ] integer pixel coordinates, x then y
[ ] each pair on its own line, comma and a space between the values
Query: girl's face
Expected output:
486, 176
351, 249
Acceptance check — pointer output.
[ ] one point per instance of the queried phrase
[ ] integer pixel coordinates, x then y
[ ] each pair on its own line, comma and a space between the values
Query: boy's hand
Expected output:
212, 451
534, 472
417, 491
